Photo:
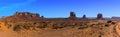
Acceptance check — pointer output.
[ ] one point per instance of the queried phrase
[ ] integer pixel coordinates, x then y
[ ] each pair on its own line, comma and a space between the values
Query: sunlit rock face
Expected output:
27, 14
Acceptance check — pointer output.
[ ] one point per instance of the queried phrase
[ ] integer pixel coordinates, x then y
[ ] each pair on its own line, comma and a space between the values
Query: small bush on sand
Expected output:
107, 25
83, 27
16, 28
109, 21
9, 25
43, 25
26, 27
55, 26
113, 22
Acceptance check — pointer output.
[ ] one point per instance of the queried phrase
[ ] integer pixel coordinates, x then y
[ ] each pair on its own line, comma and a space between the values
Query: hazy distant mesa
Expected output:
71, 16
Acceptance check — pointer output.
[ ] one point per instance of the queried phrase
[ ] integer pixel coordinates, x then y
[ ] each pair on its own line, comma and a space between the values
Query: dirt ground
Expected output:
101, 30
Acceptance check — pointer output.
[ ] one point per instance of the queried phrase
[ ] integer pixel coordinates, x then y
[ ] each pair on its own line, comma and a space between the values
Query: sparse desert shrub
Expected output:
34, 23
43, 25
33, 28
73, 25
56, 26
60, 25
113, 22
16, 28
64, 25
107, 25
99, 36
99, 23
109, 21
85, 23
9, 25
80, 23
26, 27
92, 25
82, 27
5, 22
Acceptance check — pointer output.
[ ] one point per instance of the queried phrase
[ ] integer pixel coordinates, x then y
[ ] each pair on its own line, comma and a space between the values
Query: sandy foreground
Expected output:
65, 32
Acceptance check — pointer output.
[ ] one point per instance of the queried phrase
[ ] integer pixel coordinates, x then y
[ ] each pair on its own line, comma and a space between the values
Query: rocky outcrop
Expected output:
28, 14
114, 17
99, 16
72, 15
84, 16
22, 16
42, 16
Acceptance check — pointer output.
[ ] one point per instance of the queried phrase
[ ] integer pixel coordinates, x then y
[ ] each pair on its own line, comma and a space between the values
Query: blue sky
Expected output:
61, 8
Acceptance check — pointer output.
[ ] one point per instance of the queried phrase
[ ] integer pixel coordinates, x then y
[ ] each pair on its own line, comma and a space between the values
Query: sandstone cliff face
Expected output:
28, 14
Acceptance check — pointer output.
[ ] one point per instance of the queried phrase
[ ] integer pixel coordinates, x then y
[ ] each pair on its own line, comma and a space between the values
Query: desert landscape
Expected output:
26, 24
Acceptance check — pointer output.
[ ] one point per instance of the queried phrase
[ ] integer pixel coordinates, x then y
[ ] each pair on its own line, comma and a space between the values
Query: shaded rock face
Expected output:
42, 16
72, 15
22, 16
28, 14
84, 16
99, 16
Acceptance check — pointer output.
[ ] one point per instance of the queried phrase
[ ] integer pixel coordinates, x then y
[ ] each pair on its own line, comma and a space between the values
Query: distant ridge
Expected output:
22, 16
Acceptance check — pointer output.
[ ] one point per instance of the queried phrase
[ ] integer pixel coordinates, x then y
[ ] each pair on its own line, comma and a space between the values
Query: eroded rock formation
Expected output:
99, 16
28, 14
84, 16
72, 15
